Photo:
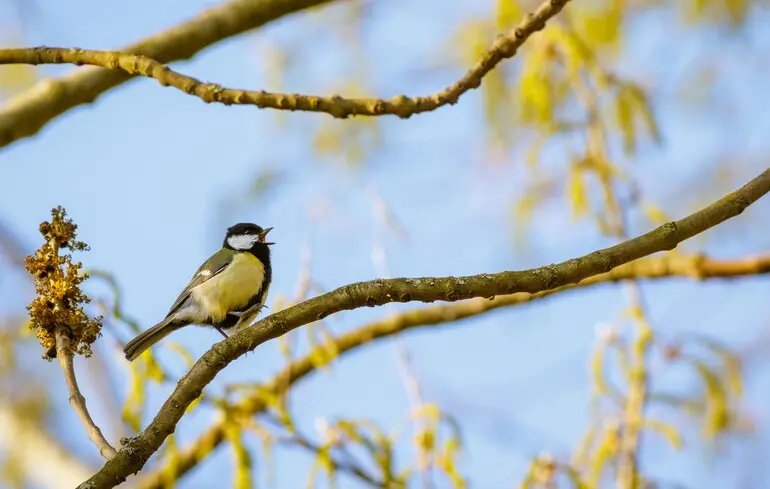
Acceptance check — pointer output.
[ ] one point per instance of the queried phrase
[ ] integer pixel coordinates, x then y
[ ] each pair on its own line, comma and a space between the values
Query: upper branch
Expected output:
27, 113
135, 453
402, 106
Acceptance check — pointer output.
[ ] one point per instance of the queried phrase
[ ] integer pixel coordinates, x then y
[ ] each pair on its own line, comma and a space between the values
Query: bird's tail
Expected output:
146, 339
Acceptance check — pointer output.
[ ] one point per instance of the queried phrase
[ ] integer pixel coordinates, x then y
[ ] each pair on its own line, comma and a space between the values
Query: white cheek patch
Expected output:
242, 241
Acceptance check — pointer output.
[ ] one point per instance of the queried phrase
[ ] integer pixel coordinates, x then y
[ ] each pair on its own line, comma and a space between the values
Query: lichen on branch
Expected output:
59, 299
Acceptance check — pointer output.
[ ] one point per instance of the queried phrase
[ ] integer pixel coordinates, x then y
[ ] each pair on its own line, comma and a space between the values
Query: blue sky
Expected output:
143, 172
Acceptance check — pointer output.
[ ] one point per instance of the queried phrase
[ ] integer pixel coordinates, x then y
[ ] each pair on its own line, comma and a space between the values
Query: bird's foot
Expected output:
239, 314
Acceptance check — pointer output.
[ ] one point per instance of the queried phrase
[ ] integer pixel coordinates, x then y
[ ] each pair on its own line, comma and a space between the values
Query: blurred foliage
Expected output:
715, 407
14, 78
732, 13
24, 394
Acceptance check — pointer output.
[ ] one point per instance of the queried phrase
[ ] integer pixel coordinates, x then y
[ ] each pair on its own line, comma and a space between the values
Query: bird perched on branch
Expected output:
234, 281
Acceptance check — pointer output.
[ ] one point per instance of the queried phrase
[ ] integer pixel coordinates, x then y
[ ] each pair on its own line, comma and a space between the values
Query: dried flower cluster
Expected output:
57, 285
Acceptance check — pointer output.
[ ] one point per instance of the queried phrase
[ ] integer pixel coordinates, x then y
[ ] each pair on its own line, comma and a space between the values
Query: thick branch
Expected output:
402, 106
135, 453
27, 113
78, 402
669, 266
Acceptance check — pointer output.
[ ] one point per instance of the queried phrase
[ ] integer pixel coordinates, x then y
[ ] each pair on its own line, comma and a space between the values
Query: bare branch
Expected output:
402, 106
135, 452
28, 112
669, 266
78, 402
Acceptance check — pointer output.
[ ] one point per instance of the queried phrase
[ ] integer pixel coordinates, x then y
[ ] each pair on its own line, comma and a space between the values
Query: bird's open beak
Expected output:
262, 236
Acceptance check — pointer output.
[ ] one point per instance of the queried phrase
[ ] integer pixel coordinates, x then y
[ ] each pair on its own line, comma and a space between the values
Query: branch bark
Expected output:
27, 113
402, 106
135, 452
695, 267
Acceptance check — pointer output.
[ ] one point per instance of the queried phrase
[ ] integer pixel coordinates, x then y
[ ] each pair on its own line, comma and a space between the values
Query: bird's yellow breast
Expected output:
233, 288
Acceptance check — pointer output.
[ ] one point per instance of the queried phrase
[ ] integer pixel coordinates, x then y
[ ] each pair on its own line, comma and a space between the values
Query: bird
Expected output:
233, 281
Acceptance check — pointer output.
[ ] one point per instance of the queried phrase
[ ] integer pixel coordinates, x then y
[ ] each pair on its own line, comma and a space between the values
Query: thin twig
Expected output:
385, 221
338, 465
352, 468
78, 402
638, 376
413, 390
504, 47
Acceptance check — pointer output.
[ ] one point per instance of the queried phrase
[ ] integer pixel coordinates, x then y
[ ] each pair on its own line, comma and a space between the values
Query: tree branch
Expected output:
135, 452
695, 266
78, 402
402, 106
27, 113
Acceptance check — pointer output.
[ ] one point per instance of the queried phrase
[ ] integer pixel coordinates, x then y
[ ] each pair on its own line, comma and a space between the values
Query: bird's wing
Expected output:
211, 267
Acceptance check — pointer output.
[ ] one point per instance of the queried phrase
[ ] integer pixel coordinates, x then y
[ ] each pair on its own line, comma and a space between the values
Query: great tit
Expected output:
233, 280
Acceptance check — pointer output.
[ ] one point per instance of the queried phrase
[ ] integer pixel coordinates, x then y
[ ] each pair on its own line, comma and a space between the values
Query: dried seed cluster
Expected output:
57, 285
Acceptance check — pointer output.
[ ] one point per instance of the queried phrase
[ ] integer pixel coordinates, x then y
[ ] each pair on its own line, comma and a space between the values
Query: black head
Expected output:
245, 236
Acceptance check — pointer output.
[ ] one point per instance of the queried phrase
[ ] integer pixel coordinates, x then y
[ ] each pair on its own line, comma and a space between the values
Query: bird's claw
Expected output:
240, 314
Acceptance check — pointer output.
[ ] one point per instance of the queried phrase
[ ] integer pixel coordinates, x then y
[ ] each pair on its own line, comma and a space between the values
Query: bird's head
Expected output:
244, 235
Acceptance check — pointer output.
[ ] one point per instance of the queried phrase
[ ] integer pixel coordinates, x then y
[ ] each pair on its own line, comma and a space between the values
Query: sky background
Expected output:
144, 172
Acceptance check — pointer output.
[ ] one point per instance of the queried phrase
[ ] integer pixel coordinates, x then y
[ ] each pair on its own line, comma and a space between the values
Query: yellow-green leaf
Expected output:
624, 117
577, 192
507, 14
716, 416
241, 456
134, 405
668, 431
